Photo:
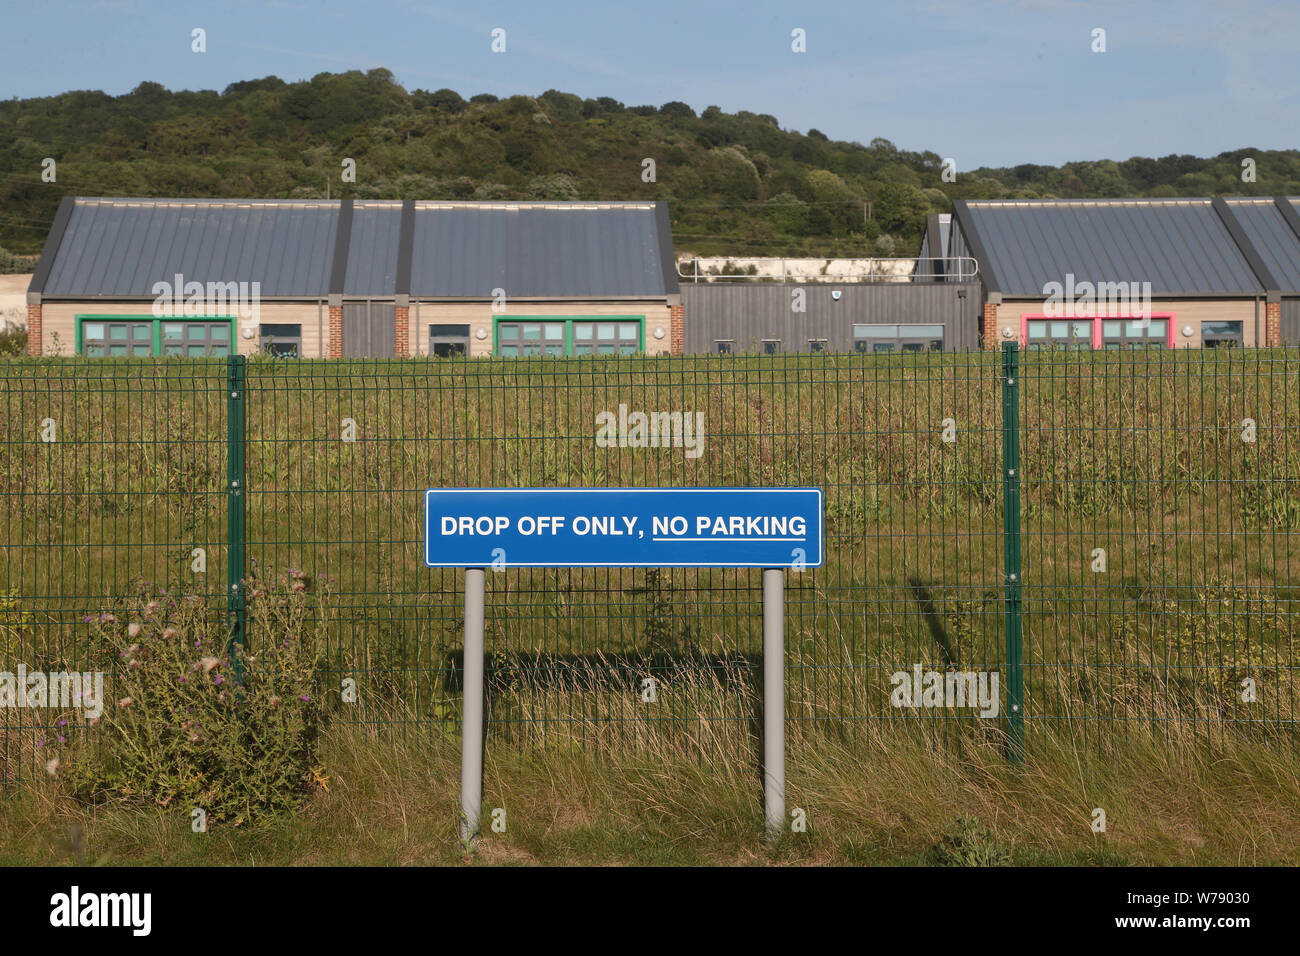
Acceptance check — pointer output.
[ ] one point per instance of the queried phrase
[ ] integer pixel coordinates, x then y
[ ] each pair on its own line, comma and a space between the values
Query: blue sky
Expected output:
987, 82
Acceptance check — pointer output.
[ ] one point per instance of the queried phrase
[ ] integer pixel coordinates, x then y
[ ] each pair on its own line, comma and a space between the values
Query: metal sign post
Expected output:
774, 703
768, 528
471, 749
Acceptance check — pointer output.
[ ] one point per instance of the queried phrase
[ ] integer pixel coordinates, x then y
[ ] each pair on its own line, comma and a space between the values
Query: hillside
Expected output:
737, 183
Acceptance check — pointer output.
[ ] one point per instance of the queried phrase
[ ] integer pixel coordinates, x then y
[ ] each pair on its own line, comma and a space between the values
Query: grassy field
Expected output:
1143, 455
886, 798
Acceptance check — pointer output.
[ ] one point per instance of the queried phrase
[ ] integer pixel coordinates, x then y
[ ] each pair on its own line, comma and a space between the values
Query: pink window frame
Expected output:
1096, 320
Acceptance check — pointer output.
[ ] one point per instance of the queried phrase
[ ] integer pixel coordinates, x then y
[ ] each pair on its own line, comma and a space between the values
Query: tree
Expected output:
558, 187
444, 101
901, 208
788, 214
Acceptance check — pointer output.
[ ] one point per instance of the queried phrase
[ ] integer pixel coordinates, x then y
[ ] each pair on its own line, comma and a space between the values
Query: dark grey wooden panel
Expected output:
750, 312
1291, 321
369, 329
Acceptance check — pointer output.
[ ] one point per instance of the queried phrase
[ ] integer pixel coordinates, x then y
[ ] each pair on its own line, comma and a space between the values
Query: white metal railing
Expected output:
953, 269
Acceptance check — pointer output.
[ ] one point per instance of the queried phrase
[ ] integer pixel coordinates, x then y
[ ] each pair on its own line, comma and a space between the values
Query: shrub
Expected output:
189, 727
968, 842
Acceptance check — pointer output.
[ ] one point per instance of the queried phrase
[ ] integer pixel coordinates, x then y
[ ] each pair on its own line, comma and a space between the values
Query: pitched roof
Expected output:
106, 247
1180, 246
373, 248
1270, 226
542, 250
121, 247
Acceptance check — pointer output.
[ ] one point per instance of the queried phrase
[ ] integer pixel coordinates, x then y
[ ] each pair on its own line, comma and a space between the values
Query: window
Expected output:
140, 336
606, 338
1221, 335
1059, 333
1043, 332
530, 338
282, 341
196, 339
1134, 333
726, 346
612, 335
447, 341
771, 346
898, 338
100, 339
816, 345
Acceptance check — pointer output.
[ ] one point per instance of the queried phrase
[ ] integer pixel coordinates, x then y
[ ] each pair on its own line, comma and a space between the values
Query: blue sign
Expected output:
623, 527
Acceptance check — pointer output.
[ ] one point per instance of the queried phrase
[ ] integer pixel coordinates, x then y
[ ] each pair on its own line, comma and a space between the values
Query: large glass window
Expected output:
282, 341
448, 340
110, 339
559, 337
606, 338
1134, 333
130, 336
530, 338
1059, 333
898, 338
1221, 335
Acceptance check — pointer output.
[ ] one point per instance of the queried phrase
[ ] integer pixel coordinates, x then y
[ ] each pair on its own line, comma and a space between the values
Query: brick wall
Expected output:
336, 332
677, 335
1273, 323
33, 330
403, 346
989, 330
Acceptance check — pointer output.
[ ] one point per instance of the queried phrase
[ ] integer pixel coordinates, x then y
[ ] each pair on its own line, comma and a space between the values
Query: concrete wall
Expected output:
1187, 312
13, 300
479, 315
747, 313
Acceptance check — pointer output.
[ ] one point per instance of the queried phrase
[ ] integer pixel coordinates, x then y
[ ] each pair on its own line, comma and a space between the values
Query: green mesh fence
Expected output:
1150, 498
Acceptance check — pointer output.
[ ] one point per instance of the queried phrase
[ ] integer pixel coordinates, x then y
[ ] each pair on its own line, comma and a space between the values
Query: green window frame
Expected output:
517, 336
140, 336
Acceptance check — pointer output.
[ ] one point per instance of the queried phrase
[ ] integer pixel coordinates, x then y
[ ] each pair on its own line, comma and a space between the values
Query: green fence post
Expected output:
1011, 536
236, 616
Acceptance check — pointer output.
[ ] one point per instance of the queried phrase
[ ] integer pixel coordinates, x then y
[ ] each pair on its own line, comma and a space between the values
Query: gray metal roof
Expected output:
121, 247
1180, 246
559, 250
373, 248
1271, 236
